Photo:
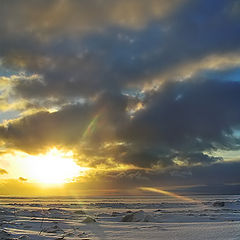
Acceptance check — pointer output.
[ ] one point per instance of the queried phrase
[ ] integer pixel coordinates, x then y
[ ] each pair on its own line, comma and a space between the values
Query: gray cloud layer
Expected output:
3, 171
91, 60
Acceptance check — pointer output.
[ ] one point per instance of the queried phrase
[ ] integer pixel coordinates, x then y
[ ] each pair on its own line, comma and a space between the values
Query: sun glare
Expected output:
54, 167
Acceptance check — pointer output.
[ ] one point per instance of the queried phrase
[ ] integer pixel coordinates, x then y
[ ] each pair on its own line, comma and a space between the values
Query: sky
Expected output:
102, 97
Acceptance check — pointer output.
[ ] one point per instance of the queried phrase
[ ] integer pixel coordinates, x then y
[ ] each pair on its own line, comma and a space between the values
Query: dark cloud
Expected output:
145, 159
91, 59
181, 122
218, 174
178, 124
70, 17
149, 157
3, 171
109, 60
197, 158
217, 178
217, 189
22, 179
190, 115
49, 42
199, 29
72, 125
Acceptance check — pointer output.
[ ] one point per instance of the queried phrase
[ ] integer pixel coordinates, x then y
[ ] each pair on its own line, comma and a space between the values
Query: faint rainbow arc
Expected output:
171, 194
91, 126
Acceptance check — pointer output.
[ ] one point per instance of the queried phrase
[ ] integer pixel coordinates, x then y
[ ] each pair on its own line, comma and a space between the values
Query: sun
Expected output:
53, 168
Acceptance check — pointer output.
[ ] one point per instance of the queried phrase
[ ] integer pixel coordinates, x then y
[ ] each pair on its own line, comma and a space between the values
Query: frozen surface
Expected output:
152, 217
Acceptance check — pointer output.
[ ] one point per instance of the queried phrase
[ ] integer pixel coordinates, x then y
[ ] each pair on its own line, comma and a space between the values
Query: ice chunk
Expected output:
89, 220
139, 216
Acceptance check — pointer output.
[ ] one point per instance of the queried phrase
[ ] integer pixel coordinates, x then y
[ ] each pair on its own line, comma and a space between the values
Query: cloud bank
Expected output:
151, 85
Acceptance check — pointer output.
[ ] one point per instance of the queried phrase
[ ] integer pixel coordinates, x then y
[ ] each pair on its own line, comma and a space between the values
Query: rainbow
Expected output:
91, 126
171, 194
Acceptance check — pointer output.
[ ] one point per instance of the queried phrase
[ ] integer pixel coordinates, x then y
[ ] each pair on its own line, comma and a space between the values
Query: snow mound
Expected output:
80, 212
139, 216
233, 205
4, 235
53, 229
89, 220
219, 204
24, 237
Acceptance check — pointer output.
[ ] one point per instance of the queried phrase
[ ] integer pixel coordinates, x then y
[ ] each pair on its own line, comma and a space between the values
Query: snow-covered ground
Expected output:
152, 217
